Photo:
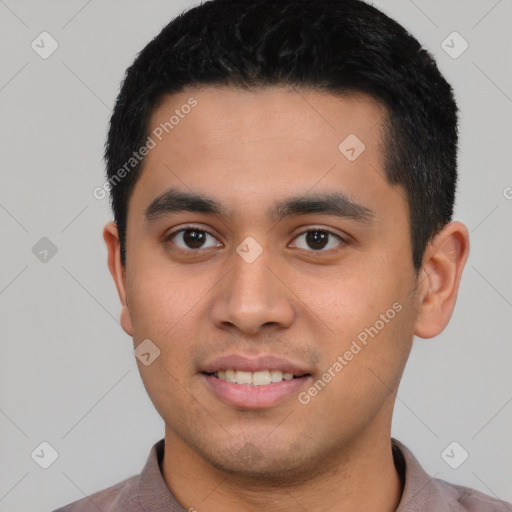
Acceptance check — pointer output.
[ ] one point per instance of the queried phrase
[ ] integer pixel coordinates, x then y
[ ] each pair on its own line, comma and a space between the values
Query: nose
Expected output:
253, 296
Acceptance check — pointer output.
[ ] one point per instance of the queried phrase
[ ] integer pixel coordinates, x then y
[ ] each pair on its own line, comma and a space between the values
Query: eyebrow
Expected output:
332, 203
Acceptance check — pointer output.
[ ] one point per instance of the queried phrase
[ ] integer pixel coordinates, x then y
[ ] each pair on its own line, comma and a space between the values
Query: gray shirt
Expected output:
148, 491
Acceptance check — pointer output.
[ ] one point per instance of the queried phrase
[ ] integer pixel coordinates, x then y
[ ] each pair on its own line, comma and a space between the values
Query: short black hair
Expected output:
337, 46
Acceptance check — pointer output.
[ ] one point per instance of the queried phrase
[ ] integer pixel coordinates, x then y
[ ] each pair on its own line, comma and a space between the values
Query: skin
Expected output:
247, 150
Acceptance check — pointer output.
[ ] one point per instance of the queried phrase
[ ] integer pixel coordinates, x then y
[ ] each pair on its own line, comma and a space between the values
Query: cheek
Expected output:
162, 319
370, 327
345, 303
160, 299
163, 313
362, 376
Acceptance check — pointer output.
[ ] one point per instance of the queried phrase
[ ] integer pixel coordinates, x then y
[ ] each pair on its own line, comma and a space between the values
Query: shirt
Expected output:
148, 492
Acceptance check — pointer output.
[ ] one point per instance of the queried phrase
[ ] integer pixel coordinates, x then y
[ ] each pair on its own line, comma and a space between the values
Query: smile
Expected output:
259, 378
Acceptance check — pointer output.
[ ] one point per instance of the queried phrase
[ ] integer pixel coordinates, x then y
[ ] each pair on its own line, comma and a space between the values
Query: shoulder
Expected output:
465, 499
116, 498
424, 493
145, 491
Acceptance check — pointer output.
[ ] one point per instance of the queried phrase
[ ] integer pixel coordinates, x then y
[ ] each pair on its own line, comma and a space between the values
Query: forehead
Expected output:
299, 117
250, 146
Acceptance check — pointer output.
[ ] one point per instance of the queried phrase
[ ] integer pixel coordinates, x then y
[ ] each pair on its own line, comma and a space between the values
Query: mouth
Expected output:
249, 382
258, 378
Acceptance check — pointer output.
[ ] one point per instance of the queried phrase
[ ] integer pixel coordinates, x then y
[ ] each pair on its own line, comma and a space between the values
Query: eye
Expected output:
192, 238
317, 239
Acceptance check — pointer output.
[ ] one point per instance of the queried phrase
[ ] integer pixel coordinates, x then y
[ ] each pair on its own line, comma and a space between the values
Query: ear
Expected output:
111, 237
439, 279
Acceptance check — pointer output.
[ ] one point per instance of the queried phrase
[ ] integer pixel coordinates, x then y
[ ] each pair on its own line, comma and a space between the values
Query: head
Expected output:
320, 139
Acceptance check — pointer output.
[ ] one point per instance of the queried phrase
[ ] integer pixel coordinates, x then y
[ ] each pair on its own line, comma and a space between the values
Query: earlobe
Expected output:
118, 272
443, 263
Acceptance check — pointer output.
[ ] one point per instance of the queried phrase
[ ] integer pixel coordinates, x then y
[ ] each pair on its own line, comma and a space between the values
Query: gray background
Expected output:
67, 371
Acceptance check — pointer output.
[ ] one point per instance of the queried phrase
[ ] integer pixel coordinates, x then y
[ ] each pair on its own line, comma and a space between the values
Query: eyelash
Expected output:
195, 228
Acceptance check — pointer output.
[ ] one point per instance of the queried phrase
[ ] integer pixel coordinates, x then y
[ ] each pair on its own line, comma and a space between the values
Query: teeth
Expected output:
261, 378
243, 377
276, 376
230, 375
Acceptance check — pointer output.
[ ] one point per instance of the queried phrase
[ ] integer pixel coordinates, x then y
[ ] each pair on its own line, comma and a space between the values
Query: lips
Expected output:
254, 382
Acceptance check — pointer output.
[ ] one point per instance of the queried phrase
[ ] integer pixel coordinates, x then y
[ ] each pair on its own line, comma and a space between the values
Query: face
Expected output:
293, 266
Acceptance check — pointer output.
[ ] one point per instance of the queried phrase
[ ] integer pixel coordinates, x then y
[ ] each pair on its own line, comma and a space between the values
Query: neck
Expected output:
363, 477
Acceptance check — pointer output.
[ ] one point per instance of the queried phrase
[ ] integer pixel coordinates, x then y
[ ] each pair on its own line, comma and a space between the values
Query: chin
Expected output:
262, 462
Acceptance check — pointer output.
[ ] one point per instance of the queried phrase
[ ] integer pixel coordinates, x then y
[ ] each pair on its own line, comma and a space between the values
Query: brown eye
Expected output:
194, 238
191, 239
317, 240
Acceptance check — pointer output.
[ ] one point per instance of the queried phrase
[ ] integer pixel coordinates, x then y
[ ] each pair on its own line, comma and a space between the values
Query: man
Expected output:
282, 175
